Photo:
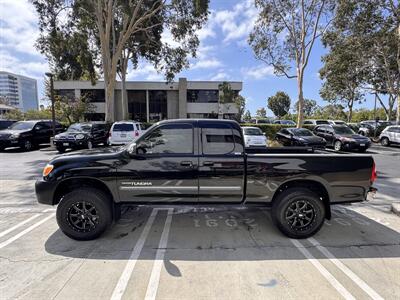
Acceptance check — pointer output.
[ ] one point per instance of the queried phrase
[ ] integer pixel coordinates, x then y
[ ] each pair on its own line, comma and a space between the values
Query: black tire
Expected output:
306, 222
385, 142
27, 145
81, 207
2, 149
363, 150
60, 149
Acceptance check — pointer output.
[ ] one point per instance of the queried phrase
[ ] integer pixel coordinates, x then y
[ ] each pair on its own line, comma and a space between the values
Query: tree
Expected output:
247, 116
331, 111
261, 113
285, 33
228, 96
14, 114
279, 104
309, 108
72, 111
343, 72
110, 26
373, 27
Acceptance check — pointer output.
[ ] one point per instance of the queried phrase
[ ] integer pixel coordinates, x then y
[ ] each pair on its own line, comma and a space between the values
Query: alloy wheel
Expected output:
300, 214
82, 216
338, 145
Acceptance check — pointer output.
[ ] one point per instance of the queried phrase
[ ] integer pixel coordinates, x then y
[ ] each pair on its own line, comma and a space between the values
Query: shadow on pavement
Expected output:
229, 235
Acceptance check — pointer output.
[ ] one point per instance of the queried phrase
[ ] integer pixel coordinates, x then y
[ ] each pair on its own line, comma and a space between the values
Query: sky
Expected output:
223, 54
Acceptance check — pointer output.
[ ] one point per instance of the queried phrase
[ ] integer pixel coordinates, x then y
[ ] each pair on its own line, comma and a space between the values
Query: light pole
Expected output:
53, 113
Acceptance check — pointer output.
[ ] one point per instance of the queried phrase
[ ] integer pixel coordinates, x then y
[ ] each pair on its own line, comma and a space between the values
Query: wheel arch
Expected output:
312, 185
70, 184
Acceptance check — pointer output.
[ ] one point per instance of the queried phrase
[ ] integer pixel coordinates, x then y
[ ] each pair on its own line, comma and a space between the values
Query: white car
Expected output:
390, 135
254, 137
124, 132
337, 122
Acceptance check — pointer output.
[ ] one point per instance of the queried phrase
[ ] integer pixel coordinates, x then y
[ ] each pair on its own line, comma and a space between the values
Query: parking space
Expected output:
196, 252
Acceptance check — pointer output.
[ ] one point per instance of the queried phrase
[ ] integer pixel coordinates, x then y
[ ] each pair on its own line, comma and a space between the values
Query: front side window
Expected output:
168, 139
218, 140
343, 130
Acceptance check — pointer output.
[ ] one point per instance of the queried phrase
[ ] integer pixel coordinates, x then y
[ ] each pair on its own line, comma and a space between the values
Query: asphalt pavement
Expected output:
197, 253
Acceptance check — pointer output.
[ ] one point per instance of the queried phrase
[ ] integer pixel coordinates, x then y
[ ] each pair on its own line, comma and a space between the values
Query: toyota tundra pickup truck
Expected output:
201, 162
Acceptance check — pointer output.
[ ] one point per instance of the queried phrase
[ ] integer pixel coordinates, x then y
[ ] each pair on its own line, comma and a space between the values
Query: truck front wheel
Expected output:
298, 213
84, 214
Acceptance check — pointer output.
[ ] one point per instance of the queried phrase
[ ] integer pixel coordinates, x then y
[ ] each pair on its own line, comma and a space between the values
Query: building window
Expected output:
69, 94
94, 95
137, 105
202, 116
202, 96
157, 105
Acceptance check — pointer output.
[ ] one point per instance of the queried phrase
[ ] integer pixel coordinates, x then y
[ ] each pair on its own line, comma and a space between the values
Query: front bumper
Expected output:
71, 143
356, 145
9, 143
45, 192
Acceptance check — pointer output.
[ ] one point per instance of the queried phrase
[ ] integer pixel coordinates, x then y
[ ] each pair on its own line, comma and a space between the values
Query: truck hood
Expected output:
88, 155
8, 132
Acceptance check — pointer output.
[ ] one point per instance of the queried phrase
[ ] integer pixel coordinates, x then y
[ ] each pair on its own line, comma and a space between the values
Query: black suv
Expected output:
341, 137
28, 134
82, 135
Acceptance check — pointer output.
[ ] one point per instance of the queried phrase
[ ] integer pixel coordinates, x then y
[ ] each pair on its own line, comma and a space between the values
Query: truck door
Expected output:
165, 168
221, 163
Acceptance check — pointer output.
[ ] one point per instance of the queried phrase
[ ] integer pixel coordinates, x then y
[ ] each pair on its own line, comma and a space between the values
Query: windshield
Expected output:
302, 132
123, 127
22, 126
80, 127
343, 130
252, 131
288, 122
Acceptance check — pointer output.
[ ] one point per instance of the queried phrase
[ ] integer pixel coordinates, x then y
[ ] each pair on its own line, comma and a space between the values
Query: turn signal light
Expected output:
47, 170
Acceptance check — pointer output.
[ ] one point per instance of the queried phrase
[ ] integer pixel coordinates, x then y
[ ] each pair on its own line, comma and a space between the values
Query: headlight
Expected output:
56, 137
47, 170
348, 139
80, 136
14, 136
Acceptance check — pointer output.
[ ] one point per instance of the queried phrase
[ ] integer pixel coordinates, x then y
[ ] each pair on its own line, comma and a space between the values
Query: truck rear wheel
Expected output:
84, 214
298, 213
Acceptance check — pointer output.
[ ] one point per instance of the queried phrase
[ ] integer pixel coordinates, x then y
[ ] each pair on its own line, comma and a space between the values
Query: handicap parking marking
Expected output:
27, 230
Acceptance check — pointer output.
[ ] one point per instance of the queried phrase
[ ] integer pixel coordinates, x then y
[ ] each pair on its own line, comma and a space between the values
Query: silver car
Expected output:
390, 135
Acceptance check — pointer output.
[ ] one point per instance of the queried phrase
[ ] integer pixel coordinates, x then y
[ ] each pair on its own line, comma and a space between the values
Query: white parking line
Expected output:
152, 287
126, 274
22, 233
324, 272
5, 232
357, 280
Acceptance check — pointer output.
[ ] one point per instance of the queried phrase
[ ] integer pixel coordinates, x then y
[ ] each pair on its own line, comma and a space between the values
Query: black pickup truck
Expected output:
201, 162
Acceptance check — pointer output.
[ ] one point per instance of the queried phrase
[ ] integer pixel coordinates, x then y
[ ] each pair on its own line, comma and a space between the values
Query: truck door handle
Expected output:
208, 163
186, 164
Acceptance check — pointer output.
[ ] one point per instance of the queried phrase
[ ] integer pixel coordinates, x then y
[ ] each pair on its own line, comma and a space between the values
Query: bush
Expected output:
270, 130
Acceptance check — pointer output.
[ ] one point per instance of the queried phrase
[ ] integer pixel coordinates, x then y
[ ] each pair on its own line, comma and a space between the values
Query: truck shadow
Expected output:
231, 234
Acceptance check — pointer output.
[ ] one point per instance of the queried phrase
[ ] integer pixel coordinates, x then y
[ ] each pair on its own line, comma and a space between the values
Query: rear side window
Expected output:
123, 127
218, 139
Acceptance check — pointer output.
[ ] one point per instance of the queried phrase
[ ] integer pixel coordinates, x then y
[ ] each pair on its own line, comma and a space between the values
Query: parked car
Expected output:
285, 122
354, 126
124, 132
315, 122
4, 124
263, 121
208, 159
254, 137
299, 137
28, 134
390, 135
337, 122
373, 128
82, 135
342, 138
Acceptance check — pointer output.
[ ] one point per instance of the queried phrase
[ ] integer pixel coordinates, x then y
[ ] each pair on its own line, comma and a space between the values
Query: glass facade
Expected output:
157, 105
69, 94
19, 91
94, 95
202, 96
137, 105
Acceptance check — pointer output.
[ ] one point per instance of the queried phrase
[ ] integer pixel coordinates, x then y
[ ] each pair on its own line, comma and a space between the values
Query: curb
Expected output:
396, 208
